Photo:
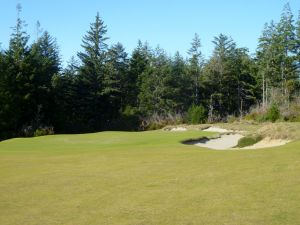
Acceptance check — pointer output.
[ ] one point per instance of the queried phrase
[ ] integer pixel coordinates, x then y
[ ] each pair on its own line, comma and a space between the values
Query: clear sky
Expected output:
171, 24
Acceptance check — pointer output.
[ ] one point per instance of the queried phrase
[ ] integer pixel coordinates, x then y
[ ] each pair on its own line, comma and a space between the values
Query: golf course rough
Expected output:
145, 178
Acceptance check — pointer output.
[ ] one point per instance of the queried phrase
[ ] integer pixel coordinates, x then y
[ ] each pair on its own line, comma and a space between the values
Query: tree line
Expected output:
104, 87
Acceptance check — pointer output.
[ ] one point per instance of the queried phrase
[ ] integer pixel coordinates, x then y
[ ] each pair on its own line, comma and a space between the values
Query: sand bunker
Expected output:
178, 129
224, 142
267, 143
229, 141
217, 129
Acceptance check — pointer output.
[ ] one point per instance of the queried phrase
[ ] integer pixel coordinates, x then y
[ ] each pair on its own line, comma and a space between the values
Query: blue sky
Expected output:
170, 24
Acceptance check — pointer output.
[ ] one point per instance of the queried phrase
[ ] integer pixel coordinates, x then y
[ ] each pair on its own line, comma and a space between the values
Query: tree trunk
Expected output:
266, 94
211, 108
241, 108
263, 89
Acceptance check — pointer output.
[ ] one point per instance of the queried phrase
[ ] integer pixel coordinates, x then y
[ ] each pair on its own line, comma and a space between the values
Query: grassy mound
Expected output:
248, 141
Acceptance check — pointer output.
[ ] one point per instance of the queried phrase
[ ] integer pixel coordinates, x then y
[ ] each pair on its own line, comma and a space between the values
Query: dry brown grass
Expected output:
283, 130
280, 130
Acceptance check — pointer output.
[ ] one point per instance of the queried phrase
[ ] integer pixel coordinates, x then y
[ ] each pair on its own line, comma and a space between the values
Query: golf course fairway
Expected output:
145, 178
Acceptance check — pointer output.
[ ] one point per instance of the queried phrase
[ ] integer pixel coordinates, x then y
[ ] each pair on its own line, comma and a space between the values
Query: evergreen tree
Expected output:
94, 109
276, 57
4, 99
286, 47
67, 100
26, 82
45, 63
220, 79
153, 95
195, 66
246, 82
139, 62
298, 43
116, 82
266, 60
182, 89
16, 82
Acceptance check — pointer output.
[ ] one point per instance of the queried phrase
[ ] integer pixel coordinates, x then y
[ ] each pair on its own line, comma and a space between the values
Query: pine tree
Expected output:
67, 100
94, 108
26, 81
276, 58
182, 89
298, 42
18, 43
195, 66
45, 63
269, 63
153, 95
16, 81
220, 79
246, 82
4, 98
116, 82
138, 64
286, 46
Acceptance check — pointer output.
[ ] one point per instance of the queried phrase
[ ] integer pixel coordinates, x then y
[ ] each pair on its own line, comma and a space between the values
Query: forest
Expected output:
105, 88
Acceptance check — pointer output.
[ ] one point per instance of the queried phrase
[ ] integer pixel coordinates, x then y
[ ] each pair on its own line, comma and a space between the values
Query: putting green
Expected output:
128, 178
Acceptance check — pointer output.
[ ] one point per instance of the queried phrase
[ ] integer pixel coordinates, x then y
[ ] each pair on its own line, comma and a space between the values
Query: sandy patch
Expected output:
178, 129
230, 140
267, 143
224, 142
217, 129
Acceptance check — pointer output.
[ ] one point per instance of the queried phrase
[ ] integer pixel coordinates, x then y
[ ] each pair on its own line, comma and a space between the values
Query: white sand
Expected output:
267, 143
231, 140
224, 142
217, 129
227, 142
178, 129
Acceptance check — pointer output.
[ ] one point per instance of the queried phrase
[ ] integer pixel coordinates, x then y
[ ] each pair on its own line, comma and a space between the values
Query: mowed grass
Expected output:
147, 178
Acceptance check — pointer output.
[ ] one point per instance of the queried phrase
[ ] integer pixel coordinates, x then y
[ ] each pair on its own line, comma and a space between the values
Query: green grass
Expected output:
248, 141
148, 178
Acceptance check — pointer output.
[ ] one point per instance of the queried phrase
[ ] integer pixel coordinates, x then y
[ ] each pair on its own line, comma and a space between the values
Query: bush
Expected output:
291, 113
196, 114
231, 119
248, 141
273, 113
27, 131
42, 131
294, 119
158, 121
257, 113
260, 114
251, 116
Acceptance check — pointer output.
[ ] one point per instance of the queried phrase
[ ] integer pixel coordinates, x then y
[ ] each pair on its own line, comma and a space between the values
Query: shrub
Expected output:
196, 114
27, 131
251, 116
257, 113
42, 131
295, 119
260, 114
248, 141
158, 121
291, 113
231, 119
273, 113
